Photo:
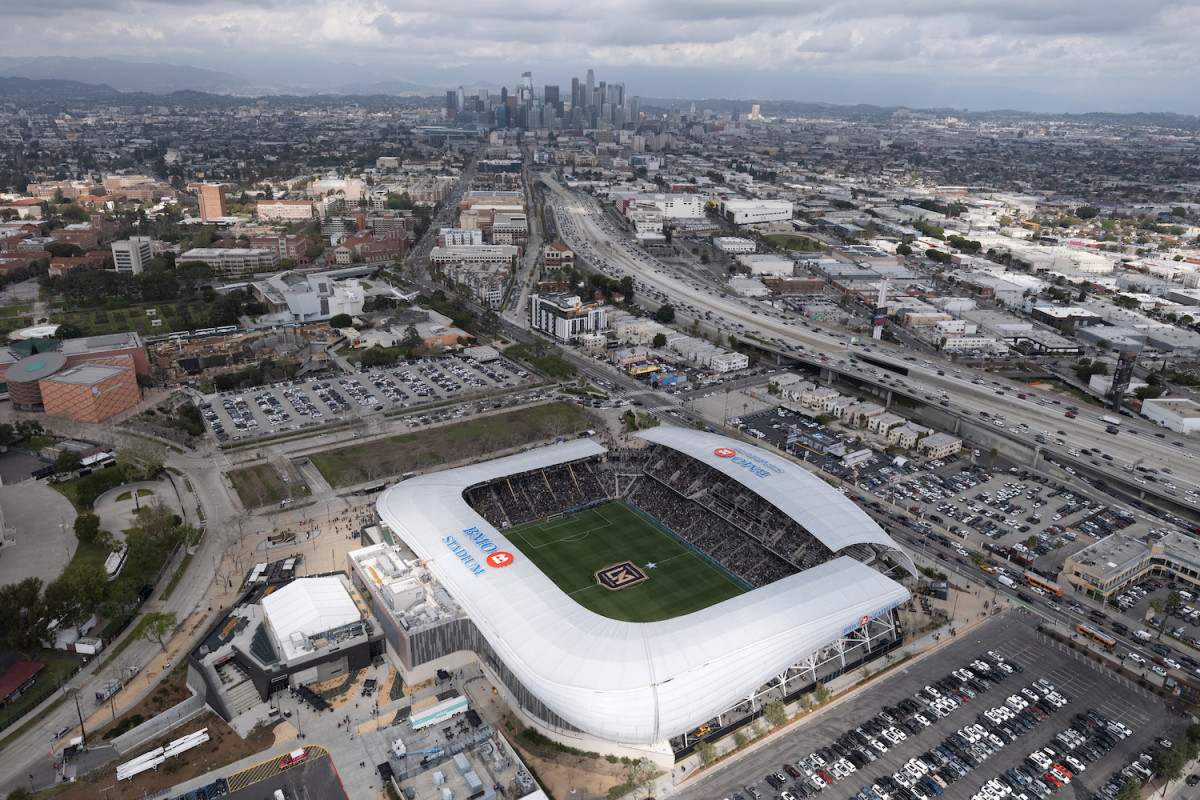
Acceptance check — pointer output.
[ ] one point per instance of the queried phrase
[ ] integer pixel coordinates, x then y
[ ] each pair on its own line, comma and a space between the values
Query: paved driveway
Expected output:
44, 522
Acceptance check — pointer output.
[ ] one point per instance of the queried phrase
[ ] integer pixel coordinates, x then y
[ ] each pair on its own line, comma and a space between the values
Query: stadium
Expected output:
633, 597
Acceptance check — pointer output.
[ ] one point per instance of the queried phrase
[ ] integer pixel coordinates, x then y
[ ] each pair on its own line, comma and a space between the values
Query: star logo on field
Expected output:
650, 565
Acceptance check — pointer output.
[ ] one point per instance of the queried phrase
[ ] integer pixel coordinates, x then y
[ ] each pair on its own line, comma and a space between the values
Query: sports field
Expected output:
571, 549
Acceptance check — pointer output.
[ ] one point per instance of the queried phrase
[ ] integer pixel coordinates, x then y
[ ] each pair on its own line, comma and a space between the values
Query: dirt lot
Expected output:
565, 774
346, 466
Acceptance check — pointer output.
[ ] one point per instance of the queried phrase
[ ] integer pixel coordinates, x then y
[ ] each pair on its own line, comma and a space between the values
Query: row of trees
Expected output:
166, 282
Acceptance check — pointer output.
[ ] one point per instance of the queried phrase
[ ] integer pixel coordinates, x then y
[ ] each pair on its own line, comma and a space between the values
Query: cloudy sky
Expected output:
1050, 55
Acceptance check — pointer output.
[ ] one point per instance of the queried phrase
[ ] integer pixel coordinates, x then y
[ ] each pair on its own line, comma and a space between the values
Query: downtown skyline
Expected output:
1067, 57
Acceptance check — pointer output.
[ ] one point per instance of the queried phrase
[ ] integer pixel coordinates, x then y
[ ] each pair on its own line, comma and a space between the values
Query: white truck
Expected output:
1109, 419
1142, 636
1007, 581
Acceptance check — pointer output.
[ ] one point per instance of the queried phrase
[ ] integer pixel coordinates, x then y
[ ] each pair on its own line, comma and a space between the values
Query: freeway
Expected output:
583, 225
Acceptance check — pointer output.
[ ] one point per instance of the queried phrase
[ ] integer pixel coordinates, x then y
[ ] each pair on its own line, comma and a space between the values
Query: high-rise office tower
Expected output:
527, 81
452, 100
616, 94
576, 96
635, 103
588, 98
461, 99
551, 99
212, 200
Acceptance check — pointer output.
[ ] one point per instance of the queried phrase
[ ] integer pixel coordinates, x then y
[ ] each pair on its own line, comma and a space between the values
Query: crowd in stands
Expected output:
748, 513
718, 516
518, 499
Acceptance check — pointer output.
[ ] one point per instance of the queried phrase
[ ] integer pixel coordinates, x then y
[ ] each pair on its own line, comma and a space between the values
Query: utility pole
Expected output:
82, 733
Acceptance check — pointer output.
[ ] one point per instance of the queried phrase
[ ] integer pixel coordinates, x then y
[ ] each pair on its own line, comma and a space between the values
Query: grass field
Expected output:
571, 549
259, 485
432, 446
791, 241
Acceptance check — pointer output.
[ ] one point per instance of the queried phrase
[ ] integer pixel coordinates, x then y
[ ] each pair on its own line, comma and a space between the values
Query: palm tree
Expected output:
1159, 605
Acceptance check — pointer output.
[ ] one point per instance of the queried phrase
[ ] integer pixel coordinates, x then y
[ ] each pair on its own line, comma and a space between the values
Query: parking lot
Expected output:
1003, 505
930, 728
298, 405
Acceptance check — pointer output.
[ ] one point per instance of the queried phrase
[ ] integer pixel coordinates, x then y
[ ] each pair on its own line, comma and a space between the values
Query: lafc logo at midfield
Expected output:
619, 576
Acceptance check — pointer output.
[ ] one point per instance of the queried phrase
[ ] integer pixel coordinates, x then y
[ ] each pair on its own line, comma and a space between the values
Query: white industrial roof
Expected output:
637, 682
309, 606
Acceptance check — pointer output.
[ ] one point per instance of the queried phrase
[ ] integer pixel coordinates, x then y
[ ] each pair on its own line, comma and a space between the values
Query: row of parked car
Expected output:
1048, 769
864, 744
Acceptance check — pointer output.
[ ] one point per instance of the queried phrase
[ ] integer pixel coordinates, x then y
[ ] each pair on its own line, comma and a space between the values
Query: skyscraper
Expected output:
591, 88
551, 99
576, 96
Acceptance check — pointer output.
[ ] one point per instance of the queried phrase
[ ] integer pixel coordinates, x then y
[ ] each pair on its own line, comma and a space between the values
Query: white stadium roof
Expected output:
821, 509
642, 683
309, 606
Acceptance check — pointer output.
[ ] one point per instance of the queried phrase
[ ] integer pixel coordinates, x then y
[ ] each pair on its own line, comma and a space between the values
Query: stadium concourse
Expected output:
809, 581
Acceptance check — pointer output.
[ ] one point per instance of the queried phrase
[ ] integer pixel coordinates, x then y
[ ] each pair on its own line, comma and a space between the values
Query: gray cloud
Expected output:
1095, 47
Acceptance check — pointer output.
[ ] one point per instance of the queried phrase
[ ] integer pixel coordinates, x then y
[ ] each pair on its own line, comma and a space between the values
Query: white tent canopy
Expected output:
309, 606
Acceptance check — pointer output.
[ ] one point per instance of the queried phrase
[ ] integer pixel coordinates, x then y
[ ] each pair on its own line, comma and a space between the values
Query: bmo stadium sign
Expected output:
756, 465
475, 539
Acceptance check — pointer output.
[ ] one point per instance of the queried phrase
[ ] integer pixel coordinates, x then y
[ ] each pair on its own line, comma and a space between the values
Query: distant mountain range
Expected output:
159, 78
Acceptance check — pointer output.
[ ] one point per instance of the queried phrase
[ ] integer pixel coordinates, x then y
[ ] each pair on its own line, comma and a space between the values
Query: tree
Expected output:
1174, 600
87, 528
665, 313
68, 330
1130, 790
1158, 605
903, 250
341, 321
141, 457
776, 714
1167, 765
660, 340
67, 461
707, 752
822, 692
158, 626
641, 773
978, 558
23, 621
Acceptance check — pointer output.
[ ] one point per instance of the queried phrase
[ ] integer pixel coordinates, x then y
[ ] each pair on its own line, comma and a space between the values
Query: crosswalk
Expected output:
270, 768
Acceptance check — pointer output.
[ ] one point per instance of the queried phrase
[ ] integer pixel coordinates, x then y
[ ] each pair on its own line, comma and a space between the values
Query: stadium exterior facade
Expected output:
638, 684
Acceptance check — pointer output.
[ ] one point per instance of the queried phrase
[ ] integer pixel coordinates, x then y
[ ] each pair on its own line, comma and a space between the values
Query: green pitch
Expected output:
570, 549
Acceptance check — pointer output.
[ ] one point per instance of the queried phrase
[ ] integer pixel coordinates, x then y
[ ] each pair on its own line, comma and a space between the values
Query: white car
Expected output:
1135, 658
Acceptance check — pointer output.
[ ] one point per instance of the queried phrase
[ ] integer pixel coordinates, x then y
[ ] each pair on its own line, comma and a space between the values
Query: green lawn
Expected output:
792, 241
571, 549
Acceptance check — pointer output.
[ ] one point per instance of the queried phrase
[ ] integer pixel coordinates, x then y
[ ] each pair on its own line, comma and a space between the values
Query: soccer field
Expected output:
570, 549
